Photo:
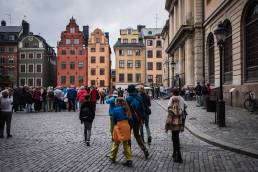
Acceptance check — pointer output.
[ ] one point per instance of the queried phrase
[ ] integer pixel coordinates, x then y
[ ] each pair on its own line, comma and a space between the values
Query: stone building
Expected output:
166, 59
37, 62
99, 61
130, 57
153, 55
185, 42
72, 56
9, 36
240, 58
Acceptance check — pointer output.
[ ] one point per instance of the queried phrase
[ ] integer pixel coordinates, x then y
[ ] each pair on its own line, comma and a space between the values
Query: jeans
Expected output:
87, 130
50, 105
5, 119
71, 104
146, 124
176, 143
127, 150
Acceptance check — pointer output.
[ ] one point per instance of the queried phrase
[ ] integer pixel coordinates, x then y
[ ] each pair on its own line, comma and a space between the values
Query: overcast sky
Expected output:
50, 17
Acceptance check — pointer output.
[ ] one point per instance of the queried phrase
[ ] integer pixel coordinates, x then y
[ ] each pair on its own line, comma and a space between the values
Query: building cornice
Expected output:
180, 36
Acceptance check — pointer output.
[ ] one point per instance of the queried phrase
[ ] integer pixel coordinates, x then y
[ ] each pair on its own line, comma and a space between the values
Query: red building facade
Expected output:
72, 55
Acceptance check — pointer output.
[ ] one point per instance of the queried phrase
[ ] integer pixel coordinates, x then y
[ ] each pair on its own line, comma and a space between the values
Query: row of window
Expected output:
158, 54
133, 41
101, 49
72, 52
30, 56
158, 78
8, 60
121, 77
101, 71
30, 81
30, 68
158, 66
72, 41
100, 83
4, 49
8, 37
101, 59
72, 80
72, 65
129, 52
138, 64
150, 43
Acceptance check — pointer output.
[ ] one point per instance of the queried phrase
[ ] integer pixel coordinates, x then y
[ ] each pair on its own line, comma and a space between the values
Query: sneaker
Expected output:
128, 163
88, 143
112, 160
149, 140
146, 154
9, 136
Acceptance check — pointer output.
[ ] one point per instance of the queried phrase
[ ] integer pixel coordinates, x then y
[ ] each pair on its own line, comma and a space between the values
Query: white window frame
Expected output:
32, 81
66, 41
37, 56
25, 68
36, 68
21, 55
29, 56
40, 82
76, 41
79, 66
72, 30
129, 52
28, 67
25, 83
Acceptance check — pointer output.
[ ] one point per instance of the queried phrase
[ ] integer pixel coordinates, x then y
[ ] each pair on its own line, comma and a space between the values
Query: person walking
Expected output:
175, 122
81, 95
122, 132
198, 93
37, 99
71, 95
112, 103
136, 106
87, 116
147, 111
6, 113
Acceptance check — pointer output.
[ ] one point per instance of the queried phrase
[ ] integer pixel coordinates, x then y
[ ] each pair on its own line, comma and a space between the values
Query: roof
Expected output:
151, 31
9, 29
129, 45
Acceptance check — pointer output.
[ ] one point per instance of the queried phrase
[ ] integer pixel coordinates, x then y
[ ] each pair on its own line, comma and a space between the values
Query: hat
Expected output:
131, 89
115, 93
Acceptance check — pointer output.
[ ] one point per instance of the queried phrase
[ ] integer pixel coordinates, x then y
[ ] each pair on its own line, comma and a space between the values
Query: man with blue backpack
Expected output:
135, 103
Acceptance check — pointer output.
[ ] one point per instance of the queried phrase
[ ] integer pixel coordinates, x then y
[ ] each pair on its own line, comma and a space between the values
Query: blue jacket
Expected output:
71, 93
112, 104
135, 101
118, 114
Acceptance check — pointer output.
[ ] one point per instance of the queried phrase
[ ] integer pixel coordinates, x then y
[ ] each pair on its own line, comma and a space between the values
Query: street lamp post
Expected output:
220, 34
173, 64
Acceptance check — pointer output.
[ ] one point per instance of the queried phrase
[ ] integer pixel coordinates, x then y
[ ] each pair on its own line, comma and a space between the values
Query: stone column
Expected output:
179, 13
180, 62
189, 70
188, 10
174, 20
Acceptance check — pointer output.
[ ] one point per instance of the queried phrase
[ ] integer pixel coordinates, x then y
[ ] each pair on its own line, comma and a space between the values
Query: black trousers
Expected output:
176, 143
138, 137
5, 119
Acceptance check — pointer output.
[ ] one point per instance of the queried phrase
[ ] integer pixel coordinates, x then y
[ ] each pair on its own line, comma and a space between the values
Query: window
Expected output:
11, 60
38, 56
159, 79
150, 66
211, 62
31, 56
97, 40
93, 49
138, 52
228, 54
129, 77
101, 49
138, 77
67, 41
22, 81
149, 54
63, 65
251, 44
76, 41
129, 52
130, 31
2, 49
39, 82
2, 60
150, 78
11, 37
149, 42
22, 68
80, 52
80, 80
158, 44
80, 65
102, 83
121, 52
159, 54
72, 52
121, 63
63, 52
11, 50
102, 59
134, 41
30, 68
63, 80
102, 71
38, 68
125, 41
72, 30
137, 63
129, 64
93, 59
72, 65
93, 71
72, 78
30, 82
93, 82
158, 66
121, 77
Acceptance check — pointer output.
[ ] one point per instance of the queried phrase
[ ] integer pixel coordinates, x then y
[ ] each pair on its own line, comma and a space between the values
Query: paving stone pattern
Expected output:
54, 142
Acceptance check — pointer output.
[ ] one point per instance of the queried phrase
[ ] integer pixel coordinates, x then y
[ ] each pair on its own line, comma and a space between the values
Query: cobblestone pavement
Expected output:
54, 142
241, 126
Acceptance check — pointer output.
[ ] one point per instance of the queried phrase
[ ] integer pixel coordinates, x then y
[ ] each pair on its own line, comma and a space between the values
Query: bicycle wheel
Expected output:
248, 105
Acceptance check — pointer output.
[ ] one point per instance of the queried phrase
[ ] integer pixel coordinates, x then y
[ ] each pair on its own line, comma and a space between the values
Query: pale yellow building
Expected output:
130, 58
99, 62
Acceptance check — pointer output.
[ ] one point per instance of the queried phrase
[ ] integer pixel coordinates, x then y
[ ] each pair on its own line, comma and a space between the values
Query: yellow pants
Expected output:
127, 150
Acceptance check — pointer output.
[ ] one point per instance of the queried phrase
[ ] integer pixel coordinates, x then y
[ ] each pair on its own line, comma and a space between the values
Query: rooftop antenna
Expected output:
10, 17
156, 20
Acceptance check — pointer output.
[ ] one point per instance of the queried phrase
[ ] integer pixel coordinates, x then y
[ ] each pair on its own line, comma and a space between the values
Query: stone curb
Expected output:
217, 142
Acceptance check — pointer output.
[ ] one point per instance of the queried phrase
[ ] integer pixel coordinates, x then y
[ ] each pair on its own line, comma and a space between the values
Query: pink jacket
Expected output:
81, 95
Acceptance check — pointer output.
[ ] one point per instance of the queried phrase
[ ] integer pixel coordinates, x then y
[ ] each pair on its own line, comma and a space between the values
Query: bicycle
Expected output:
250, 103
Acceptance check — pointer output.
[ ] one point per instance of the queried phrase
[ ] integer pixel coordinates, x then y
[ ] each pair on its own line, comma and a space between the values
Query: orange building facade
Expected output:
72, 56
99, 63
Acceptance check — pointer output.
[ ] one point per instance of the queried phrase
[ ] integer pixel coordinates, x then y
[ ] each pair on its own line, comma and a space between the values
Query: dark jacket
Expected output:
134, 101
89, 117
146, 102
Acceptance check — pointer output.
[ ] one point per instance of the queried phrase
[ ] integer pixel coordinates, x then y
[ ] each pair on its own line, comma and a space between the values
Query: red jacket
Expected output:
93, 95
81, 95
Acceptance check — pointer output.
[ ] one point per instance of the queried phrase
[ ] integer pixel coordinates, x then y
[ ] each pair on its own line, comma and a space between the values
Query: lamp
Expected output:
173, 65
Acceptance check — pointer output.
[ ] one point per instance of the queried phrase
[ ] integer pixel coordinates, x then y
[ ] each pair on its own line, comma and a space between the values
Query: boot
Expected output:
128, 163
149, 140
178, 157
146, 154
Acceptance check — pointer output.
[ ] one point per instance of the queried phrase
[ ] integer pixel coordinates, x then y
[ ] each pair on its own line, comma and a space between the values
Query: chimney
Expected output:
107, 35
86, 34
3, 23
140, 27
25, 27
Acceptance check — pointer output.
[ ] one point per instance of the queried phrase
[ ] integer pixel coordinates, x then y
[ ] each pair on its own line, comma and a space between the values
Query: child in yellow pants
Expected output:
122, 131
